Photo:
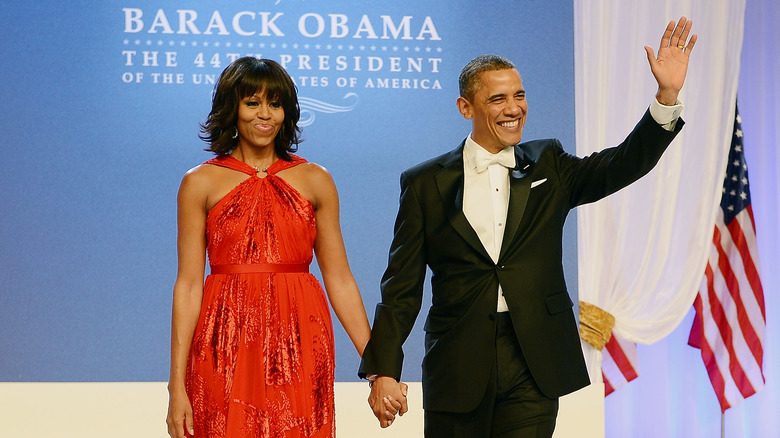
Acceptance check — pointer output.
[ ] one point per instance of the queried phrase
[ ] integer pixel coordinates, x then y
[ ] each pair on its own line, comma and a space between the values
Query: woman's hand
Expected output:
179, 415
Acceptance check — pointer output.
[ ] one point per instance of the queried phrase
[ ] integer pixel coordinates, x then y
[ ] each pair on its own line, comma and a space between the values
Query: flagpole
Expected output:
722, 425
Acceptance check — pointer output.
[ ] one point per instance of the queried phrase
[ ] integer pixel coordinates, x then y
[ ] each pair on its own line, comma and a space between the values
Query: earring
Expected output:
235, 134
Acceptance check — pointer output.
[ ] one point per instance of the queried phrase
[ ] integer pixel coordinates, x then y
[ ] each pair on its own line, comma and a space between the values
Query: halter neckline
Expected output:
234, 163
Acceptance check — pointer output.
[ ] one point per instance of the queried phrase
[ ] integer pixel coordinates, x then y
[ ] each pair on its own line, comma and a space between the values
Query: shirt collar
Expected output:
472, 151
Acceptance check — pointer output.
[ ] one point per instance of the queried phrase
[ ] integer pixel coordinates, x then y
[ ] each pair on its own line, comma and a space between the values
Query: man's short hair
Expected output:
468, 81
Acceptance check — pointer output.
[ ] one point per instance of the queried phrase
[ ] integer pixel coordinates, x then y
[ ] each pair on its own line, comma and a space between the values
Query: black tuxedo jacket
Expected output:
432, 231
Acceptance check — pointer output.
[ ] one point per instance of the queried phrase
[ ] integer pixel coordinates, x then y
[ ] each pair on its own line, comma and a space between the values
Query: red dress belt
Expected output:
257, 268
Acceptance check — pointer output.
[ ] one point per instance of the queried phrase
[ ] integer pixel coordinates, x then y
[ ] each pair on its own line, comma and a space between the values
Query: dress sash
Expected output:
259, 268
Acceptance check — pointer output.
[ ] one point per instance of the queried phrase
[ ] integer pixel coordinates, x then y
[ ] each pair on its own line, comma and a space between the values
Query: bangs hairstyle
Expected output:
469, 81
246, 77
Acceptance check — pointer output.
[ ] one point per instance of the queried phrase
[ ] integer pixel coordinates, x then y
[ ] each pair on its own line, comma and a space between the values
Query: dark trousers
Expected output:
513, 406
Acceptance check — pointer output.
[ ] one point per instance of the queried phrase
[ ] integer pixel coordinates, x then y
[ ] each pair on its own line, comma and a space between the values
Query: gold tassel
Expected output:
595, 325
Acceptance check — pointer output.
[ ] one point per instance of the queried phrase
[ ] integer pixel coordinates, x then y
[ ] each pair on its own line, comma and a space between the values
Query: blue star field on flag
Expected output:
736, 194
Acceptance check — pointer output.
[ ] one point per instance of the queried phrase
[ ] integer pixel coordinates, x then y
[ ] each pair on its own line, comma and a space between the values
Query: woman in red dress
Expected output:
252, 351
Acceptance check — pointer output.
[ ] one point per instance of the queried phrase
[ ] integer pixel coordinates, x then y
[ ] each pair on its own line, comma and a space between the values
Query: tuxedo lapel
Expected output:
519, 189
449, 180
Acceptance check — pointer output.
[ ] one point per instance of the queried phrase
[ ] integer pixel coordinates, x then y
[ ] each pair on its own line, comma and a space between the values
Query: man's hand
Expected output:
671, 65
387, 399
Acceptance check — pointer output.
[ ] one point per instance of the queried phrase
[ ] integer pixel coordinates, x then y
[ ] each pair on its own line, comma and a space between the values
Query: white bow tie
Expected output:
505, 158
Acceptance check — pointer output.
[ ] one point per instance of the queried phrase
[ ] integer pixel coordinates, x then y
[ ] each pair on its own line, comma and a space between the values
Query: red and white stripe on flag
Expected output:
730, 314
619, 363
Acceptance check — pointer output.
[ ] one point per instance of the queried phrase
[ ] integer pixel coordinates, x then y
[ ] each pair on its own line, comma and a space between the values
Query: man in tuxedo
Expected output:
501, 341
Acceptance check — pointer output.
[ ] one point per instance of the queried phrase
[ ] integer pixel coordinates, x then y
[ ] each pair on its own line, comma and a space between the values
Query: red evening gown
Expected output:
262, 357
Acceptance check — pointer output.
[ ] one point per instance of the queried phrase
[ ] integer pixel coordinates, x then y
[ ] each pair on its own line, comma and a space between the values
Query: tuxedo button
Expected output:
500, 267
492, 317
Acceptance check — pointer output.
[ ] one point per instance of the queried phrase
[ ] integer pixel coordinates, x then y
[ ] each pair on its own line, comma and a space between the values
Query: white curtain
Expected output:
673, 396
642, 251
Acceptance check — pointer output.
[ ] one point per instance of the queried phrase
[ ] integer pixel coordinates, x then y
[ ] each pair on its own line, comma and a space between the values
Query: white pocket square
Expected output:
538, 182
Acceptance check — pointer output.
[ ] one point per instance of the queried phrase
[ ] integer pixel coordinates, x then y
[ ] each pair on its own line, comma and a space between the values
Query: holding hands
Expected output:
388, 399
671, 65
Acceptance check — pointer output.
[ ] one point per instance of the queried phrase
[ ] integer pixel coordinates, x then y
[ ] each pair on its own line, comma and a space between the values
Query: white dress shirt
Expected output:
486, 199
486, 190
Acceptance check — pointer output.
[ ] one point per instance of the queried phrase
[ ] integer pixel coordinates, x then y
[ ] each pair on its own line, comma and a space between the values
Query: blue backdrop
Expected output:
100, 107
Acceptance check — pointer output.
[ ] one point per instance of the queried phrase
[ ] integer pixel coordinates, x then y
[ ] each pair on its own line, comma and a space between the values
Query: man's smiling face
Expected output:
497, 110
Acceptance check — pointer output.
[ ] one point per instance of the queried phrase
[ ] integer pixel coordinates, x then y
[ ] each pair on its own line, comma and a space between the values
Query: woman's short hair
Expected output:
468, 81
242, 78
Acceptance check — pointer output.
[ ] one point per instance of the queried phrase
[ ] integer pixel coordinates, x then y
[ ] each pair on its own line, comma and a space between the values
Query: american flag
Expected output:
730, 315
619, 363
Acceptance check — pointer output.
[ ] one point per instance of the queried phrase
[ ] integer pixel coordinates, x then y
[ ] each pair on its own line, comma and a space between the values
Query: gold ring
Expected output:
680, 47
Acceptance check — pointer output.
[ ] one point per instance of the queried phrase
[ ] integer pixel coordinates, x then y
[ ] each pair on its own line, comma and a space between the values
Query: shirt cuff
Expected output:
666, 116
372, 377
